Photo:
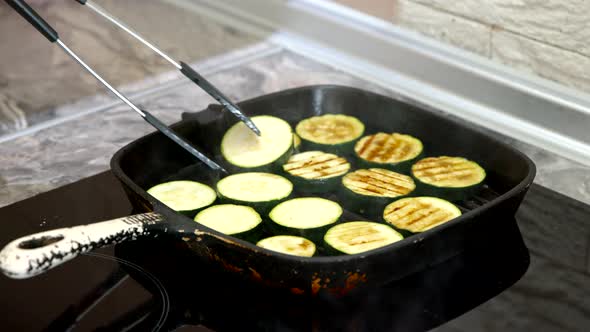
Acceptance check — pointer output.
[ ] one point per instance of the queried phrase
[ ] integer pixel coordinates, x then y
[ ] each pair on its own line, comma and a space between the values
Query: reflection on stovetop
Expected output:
157, 285
201, 294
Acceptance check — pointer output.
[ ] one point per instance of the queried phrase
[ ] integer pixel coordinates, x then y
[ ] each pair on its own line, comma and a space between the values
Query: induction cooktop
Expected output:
153, 285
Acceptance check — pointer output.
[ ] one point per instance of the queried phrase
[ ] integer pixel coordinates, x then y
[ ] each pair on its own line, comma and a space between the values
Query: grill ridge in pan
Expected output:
154, 159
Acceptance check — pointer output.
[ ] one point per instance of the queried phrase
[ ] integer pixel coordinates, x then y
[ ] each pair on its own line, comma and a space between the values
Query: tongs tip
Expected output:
253, 127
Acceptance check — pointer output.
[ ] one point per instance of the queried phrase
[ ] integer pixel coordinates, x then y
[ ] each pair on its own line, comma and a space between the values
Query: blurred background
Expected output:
544, 38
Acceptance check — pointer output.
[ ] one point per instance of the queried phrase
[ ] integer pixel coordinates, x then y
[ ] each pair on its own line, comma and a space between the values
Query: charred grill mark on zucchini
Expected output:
316, 165
360, 236
288, 244
444, 171
330, 129
388, 148
378, 182
417, 214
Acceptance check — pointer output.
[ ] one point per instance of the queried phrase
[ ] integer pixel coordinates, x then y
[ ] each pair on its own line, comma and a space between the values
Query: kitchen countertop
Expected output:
83, 144
37, 77
81, 140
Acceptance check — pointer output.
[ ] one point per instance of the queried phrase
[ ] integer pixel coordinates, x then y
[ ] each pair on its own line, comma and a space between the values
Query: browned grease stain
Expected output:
255, 275
226, 265
316, 285
297, 291
352, 281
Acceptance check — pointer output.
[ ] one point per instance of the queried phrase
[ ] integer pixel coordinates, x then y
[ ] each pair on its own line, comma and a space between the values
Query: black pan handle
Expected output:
34, 254
31, 15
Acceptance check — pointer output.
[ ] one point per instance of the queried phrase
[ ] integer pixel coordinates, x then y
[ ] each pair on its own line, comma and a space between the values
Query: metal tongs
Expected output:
185, 69
44, 28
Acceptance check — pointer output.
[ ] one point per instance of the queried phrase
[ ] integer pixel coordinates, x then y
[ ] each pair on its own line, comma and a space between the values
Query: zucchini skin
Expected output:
368, 206
315, 235
404, 167
447, 193
261, 207
314, 186
254, 235
345, 149
192, 213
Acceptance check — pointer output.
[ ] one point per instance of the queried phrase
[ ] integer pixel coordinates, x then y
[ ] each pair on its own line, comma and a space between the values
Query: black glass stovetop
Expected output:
153, 286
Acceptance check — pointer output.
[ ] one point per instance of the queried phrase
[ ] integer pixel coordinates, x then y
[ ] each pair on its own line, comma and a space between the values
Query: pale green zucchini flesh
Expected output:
183, 195
243, 148
229, 219
255, 187
306, 213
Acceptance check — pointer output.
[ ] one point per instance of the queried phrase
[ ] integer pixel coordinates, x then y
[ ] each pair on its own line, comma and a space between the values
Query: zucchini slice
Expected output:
367, 191
230, 219
316, 171
392, 151
418, 214
330, 132
290, 245
359, 236
242, 148
305, 216
259, 190
452, 178
186, 197
296, 141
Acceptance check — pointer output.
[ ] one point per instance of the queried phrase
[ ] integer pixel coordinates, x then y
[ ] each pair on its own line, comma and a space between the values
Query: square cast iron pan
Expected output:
153, 159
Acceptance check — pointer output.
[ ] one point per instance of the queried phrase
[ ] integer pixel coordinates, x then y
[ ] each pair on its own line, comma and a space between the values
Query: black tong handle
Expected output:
31, 15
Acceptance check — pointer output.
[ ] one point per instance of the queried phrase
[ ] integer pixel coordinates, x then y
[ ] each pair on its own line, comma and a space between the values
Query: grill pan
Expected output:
153, 159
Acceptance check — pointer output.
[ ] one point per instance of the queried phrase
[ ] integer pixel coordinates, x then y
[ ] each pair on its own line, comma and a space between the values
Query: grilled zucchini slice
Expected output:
290, 245
367, 191
236, 220
330, 132
262, 191
243, 149
418, 214
391, 151
186, 197
451, 178
304, 216
360, 236
315, 171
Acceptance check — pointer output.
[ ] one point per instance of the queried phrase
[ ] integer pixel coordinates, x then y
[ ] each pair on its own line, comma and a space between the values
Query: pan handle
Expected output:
34, 254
